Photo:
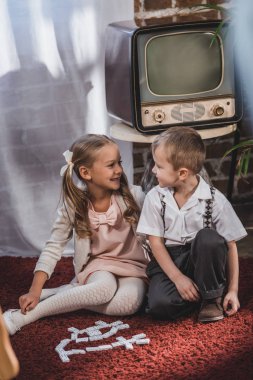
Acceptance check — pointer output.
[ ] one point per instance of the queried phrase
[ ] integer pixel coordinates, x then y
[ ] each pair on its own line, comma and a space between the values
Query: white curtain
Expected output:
51, 92
241, 22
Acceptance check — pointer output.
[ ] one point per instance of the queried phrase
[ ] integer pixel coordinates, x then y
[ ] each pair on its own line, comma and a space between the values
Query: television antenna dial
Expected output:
159, 116
218, 110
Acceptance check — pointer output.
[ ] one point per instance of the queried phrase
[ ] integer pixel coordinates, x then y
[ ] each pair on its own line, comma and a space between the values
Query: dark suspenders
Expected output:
207, 217
163, 209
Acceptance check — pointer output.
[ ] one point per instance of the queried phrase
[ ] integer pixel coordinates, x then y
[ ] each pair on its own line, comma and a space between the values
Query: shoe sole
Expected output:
211, 319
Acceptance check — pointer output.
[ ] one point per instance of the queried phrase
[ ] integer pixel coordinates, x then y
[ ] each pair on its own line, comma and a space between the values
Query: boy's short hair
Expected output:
183, 147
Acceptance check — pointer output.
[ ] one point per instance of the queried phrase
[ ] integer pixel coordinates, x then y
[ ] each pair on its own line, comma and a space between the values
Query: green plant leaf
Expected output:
246, 161
210, 6
240, 163
217, 31
218, 8
243, 144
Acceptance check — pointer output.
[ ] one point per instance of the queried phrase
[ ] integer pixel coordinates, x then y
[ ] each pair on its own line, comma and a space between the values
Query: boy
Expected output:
192, 231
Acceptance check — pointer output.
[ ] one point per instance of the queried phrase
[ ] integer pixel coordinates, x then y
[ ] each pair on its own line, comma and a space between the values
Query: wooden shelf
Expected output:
124, 132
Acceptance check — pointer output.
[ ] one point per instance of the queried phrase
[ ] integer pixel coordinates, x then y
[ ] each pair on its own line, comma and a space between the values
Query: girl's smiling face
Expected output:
106, 170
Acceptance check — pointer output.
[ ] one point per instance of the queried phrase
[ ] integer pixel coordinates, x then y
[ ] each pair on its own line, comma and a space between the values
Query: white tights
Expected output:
103, 293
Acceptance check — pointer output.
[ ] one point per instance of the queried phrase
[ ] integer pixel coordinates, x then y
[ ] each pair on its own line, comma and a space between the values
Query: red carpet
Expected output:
181, 350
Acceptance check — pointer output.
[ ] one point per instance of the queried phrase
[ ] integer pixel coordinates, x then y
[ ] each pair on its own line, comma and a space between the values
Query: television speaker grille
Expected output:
187, 112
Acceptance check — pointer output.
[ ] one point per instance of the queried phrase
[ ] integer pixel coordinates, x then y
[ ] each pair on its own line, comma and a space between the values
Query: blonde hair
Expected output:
183, 147
84, 151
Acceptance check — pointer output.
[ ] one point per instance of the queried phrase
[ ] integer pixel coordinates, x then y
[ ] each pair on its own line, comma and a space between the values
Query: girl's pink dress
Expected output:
114, 246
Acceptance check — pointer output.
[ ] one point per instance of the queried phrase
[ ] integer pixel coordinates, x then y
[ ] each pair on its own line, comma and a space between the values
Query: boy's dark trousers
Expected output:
204, 261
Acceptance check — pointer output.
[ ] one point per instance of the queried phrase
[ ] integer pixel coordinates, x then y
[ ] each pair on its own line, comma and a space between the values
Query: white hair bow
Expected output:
68, 157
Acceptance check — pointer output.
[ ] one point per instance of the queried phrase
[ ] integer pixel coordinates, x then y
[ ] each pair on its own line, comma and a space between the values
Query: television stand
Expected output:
124, 132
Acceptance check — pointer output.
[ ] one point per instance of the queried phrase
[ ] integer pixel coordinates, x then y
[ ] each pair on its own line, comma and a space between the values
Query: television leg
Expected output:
232, 168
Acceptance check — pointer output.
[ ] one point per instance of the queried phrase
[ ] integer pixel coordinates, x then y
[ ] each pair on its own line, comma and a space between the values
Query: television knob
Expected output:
159, 116
218, 110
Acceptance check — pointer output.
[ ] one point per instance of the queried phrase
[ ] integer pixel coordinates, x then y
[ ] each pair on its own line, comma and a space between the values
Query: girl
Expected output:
109, 261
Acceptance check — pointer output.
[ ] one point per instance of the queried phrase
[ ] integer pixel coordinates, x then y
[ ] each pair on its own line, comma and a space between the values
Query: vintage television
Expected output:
181, 73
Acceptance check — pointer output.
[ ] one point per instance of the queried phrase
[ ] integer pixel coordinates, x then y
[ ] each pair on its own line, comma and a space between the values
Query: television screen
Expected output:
180, 73
184, 63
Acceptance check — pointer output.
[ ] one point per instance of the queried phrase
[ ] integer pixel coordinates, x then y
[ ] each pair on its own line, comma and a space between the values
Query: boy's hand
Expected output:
28, 302
187, 289
231, 303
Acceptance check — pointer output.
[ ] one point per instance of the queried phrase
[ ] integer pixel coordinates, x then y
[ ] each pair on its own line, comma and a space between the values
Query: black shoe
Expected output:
211, 310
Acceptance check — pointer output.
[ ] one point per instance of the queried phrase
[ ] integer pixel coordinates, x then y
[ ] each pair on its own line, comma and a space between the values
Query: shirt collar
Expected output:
202, 191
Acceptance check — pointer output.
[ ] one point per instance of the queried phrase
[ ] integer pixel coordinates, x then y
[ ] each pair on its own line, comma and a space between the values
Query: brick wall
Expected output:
148, 11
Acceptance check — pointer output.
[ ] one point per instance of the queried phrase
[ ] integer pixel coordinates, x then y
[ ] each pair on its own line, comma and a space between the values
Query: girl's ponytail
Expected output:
76, 199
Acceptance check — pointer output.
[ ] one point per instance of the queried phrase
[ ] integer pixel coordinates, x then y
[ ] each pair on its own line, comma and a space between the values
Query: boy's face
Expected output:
164, 171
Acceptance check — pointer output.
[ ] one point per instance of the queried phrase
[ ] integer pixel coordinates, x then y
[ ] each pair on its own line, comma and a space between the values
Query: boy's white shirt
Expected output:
182, 225
62, 231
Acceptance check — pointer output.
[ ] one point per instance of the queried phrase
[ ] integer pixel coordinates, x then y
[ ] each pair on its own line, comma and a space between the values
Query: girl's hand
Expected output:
231, 303
187, 289
28, 302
